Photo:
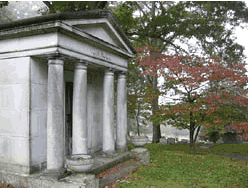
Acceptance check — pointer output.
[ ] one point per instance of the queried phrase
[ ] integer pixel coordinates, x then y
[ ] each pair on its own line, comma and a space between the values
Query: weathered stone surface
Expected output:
35, 181
121, 137
83, 180
108, 112
33, 57
139, 141
79, 128
80, 163
142, 154
38, 167
95, 110
163, 141
38, 114
184, 140
171, 140
55, 114
12, 167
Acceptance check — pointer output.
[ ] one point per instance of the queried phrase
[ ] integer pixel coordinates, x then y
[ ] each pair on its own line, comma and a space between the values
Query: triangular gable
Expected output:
101, 29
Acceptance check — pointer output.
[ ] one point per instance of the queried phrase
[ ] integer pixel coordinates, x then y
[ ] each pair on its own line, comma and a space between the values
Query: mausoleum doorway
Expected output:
68, 117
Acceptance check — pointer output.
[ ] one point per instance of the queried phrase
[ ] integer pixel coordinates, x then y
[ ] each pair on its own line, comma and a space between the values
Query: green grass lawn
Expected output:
173, 166
240, 149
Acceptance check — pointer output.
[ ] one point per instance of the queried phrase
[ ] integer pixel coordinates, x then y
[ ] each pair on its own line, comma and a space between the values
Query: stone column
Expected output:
121, 138
79, 117
55, 115
108, 112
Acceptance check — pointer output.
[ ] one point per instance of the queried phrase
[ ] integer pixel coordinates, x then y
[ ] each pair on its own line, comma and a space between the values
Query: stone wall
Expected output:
38, 121
14, 115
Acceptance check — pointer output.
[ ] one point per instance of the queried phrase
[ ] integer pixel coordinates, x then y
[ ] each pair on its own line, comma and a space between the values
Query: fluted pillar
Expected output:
121, 138
108, 112
55, 114
79, 117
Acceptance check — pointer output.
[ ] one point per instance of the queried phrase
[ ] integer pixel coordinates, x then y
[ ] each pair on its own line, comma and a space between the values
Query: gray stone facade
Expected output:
56, 88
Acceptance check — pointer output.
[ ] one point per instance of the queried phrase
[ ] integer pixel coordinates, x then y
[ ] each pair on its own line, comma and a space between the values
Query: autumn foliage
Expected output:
208, 90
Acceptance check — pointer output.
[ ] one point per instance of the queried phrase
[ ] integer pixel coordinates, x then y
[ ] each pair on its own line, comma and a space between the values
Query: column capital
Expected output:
55, 56
122, 73
56, 61
110, 71
81, 65
84, 62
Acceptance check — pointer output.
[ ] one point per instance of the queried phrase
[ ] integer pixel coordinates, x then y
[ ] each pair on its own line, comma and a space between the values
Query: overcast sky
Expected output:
242, 38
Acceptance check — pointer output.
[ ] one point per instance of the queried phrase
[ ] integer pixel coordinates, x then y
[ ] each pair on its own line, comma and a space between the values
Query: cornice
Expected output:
57, 25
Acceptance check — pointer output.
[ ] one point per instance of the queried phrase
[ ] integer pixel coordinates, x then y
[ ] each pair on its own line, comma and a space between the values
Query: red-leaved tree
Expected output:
207, 90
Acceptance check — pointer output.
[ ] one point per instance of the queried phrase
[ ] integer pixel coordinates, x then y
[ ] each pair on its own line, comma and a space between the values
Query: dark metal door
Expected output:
68, 117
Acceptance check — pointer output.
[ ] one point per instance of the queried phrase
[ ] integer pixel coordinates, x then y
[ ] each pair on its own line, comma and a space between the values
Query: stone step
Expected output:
106, 162
44, 181
54, 179
115, 174
141, 155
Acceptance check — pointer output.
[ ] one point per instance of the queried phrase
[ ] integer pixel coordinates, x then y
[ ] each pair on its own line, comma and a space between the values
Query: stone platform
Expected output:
52, 179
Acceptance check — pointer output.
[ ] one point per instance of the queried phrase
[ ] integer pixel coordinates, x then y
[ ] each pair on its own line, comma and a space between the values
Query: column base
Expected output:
56, 174
121, 148
84, 180
108, 154
142, 154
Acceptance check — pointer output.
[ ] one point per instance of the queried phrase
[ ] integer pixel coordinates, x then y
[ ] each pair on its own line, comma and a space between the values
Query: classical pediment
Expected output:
101, 29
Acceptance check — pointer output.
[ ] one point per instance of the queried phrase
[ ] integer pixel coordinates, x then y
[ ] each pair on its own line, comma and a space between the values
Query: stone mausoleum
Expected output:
57, 89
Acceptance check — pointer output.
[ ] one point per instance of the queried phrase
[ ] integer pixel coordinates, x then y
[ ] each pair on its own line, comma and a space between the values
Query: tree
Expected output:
164, 24
74, 6
214, 136
203, 99
170, 22
3, 3
135, 93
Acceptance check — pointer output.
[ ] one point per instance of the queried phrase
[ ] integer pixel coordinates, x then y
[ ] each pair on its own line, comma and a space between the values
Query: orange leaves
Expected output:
209, 82
219, 121
196, 108
215, 59
241, 127
190, 71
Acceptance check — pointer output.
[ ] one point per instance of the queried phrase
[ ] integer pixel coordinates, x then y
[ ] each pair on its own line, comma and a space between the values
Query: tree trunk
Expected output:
137, 121
191, 135
197, 132
156, 126
192, 143
156, 132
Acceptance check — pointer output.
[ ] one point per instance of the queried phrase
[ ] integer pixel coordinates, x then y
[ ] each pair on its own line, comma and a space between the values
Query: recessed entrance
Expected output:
68, 117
